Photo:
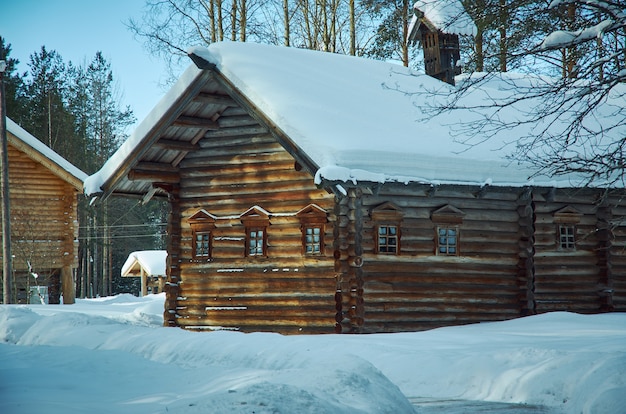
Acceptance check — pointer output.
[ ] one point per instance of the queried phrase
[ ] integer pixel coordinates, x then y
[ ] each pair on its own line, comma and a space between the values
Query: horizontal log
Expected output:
214, 99
195, 122
175, 145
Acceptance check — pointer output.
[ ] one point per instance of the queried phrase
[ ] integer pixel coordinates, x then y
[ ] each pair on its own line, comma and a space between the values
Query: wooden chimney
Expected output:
441, 49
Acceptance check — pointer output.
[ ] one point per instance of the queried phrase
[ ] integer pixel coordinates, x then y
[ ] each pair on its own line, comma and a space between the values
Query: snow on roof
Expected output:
153, 263
363, 120
447, 15
44, 150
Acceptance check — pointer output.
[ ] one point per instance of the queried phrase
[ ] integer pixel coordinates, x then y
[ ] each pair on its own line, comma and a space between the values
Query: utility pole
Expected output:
7, 259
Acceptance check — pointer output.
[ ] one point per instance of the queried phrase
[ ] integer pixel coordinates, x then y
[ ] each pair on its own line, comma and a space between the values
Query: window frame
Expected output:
306, 243
566, 242
256, 219
202, 222
566, 218
209, 241
447, 217
256, 228
438, 244
386, 225
387, 215
312, 217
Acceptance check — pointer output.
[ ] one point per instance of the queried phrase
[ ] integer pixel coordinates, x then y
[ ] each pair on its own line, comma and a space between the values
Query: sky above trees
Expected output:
77, 30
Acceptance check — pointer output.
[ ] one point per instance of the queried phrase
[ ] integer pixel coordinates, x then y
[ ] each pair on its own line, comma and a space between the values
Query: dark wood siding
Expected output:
417, 289
566, 280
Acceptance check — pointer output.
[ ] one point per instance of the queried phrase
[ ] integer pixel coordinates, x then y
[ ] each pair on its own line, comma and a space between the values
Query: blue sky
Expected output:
77, 29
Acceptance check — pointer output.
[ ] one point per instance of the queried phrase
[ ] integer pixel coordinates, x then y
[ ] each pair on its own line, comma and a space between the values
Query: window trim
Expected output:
387, 215
311, 217
566, 218
256, 219
397, 238
201, 222
305, 243
256, 228
438, 244
448, 217
209, 254
563, 240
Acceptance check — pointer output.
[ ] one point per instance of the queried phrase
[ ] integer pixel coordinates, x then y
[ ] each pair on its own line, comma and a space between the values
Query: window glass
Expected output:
567, 237
387, 239
202, 244
447, 241
256, 242
312, 240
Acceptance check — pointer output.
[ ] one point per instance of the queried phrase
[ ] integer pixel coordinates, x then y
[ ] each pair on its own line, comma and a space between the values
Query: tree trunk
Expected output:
502, 28
352, 30
286, 18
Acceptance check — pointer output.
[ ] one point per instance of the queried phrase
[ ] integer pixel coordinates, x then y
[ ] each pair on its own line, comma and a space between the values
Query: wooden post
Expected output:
7, 267
144, 284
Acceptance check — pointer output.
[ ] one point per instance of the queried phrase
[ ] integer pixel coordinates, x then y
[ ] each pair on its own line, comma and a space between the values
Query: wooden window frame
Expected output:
255, 229
387, 215
209, 253
566, 219
449, 218
312, 217
256, 219
380, 247
438, 237
566, 241
202, 222
306, 243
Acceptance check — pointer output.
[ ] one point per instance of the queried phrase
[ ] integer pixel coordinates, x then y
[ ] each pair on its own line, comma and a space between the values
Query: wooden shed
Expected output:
44, 190
309, 194
149, 265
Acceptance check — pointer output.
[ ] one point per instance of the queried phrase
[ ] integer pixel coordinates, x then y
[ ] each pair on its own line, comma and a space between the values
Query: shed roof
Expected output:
344, 118
153, 263
39, 152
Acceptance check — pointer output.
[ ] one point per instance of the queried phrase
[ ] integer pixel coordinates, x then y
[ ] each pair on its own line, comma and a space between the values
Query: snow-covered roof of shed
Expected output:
447, 15
357, 119
45, 153
153, 263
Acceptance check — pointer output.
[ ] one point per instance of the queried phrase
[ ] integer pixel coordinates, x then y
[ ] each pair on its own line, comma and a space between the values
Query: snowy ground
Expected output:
111, 355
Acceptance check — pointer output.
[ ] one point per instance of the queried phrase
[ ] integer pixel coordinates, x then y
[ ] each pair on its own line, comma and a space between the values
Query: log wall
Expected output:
285, 291
416, 289
44, 225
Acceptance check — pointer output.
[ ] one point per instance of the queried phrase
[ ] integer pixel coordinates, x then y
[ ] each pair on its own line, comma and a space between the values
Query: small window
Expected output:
567, 237
312, 240
387, 239
202, 244
256, 242
448, 241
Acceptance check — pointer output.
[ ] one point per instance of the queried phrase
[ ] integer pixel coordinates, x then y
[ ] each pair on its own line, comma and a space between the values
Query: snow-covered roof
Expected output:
153, 263
44, 154
356, 119
447, 15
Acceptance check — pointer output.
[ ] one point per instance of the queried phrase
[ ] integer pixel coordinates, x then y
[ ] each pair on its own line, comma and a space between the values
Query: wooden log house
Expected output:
307, 196
44, 190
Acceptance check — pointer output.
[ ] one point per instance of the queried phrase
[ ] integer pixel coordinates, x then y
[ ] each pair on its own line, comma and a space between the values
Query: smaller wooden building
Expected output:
149, 265
44, 190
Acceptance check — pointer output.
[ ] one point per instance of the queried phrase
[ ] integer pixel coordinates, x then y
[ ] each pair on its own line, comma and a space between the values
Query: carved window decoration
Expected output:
202, 224
387, 219
256, 220
566, 220
448, 221
312, 223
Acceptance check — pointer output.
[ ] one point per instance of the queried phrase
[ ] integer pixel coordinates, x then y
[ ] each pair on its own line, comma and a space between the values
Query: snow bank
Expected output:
111, 355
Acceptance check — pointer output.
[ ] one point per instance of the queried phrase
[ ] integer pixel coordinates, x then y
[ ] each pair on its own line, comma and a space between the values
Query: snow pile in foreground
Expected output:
111, 355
